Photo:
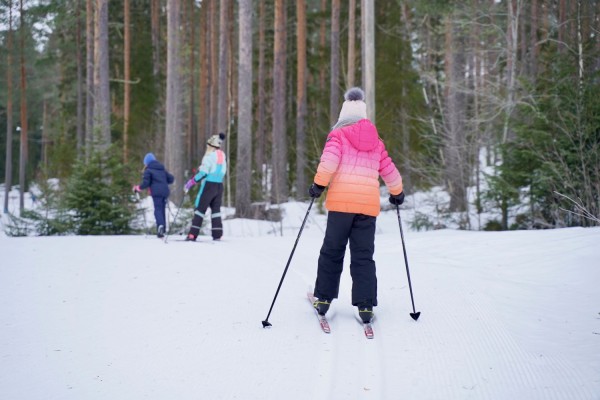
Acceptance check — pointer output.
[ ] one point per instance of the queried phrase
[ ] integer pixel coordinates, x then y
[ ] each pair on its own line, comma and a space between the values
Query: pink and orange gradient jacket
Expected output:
353, 159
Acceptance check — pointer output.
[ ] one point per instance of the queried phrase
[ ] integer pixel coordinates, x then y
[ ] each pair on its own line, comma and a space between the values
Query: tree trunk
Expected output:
368, 58
259, 155
533, 39
223, 61
101, 83
45, 136
9, 110
204, 94
562, 25
334, 86
322, 43
351, 44
191, 128
80, 122
174, 151
301, 103
155, 35
157, 141
244, 141
89, 95
279, 149
514, 8
127, 76
214, 64
454, 129
24, 148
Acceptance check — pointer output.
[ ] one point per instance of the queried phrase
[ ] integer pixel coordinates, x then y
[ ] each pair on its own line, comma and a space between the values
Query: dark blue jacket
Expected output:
157, 178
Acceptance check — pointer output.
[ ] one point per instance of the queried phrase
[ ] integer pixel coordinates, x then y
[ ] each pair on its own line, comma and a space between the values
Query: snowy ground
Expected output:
506, 315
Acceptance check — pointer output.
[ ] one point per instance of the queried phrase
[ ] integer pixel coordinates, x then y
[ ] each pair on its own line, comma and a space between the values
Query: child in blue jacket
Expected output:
157, 180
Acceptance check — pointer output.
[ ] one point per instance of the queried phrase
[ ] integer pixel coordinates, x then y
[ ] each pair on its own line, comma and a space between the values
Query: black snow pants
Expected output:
212, 195
360, 230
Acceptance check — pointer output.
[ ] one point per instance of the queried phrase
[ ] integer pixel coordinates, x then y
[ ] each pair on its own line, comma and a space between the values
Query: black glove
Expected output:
315, 190
397, 199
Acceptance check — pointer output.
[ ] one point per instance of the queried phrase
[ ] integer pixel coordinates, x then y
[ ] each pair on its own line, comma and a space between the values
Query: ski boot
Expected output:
160, 232
190, 237
322, 305
365, 312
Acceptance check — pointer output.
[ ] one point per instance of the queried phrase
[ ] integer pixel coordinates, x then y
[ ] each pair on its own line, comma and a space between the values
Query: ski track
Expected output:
493, 360
458, 349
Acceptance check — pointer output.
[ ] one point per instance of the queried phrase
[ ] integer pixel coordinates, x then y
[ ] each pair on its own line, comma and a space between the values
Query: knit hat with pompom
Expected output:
354, 108
216, 140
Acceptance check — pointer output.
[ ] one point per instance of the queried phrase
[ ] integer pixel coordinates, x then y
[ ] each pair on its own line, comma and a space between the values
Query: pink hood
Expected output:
362, 135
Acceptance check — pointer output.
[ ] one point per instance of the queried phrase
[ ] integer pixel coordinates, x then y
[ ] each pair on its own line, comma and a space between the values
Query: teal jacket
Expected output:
212, 169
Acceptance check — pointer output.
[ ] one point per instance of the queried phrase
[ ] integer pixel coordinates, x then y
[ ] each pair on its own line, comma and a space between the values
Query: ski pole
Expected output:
266, 322
175, 219
415, 315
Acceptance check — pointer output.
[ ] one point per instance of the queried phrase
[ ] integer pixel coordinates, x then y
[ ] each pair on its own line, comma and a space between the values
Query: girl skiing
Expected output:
211, 173
353, 159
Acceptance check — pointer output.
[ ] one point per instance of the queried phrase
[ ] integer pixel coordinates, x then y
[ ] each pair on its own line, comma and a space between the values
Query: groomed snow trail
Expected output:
128, 317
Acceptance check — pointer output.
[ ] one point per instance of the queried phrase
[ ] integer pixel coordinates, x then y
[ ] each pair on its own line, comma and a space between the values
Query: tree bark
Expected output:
454, 129
562, 25
89, 95
279, 145
80, 120
191, 128
214, 65
9, 110
174, 151
259, 154
301, 103
223, 61
24, 148
101, 81
158, 111
514, 8
127, 76
533, 39
351, 44
323, 43
244, 142
204, 94
368, 59
334, 85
